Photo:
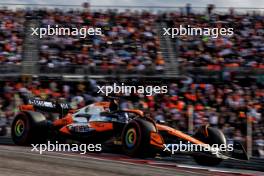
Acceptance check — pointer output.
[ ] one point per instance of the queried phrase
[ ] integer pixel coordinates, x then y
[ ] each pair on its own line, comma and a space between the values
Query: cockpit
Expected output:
90, 110
98, 113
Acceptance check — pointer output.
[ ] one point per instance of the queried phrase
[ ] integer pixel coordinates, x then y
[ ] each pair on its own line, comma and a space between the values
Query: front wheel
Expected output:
136, 138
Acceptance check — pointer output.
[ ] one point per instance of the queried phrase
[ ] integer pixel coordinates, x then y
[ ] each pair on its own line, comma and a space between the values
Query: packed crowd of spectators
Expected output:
227, 106
245, 48
11, 36
128, 42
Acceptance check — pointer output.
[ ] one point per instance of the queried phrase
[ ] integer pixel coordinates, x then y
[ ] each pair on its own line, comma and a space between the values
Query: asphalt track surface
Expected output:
21, 161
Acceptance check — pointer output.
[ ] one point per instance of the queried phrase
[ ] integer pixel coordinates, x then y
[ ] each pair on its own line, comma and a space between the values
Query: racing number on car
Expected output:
81, 129
101, 126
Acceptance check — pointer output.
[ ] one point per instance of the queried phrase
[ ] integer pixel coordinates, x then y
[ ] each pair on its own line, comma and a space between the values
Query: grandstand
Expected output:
144, 49
11, 36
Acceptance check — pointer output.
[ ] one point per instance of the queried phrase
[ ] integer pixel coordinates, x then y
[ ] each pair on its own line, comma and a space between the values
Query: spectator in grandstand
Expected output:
128, 42
11, 36
243, 49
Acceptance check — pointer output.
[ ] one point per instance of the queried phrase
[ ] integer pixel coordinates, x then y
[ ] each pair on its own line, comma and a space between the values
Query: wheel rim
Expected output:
131, 138
19, 127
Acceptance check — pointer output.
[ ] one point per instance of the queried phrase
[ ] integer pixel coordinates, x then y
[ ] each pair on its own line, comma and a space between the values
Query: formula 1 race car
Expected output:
102, 122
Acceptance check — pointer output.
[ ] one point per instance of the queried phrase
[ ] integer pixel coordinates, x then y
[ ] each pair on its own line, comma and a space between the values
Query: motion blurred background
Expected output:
216, 81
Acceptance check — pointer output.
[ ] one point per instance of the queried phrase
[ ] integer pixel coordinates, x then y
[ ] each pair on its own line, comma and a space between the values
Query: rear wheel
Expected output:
215, 136
136, 139
28, 130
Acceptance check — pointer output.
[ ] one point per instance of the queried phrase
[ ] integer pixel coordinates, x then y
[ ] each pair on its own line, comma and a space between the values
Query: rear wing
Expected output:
45, 106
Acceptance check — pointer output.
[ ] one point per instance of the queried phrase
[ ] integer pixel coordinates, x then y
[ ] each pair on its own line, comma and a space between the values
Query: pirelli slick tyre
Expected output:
29, 128
136, 138
215, 136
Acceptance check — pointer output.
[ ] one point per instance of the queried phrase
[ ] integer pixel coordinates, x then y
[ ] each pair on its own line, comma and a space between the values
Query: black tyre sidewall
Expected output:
137, 128
142, 148
34, 133
24, 139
